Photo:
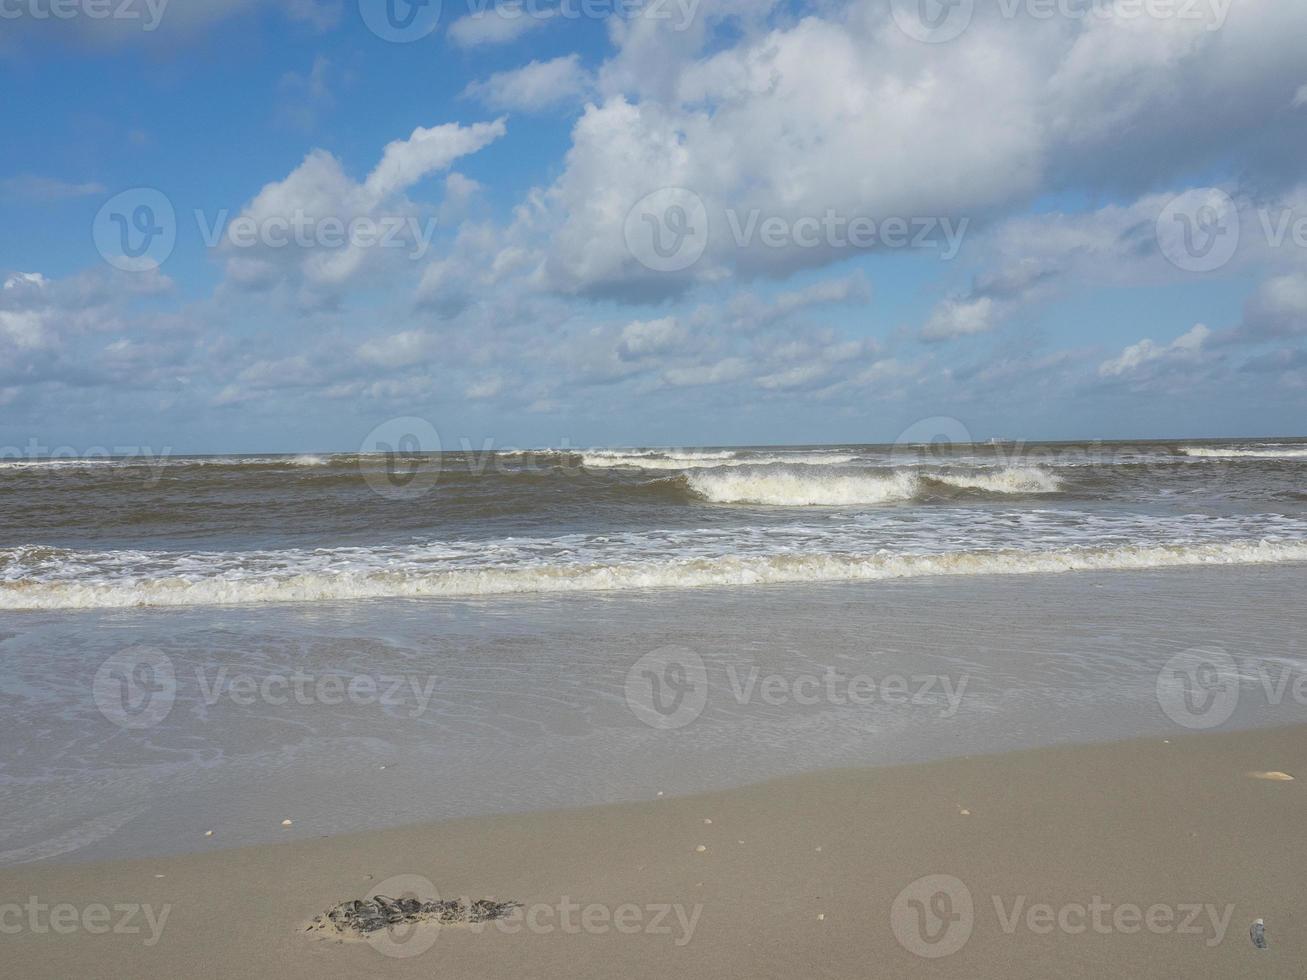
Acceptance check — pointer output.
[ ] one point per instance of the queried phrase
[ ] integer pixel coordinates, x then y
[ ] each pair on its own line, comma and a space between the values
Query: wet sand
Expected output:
1146, 858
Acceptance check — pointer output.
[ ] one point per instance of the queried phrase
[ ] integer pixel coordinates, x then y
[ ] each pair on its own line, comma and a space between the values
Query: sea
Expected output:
200, 652
230, 530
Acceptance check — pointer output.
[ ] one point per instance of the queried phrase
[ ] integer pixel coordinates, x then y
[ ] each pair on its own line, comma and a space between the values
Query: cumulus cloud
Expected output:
842, 112
319, 197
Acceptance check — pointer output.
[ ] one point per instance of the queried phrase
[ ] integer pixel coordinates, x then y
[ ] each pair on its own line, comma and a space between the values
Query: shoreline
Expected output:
1124, 839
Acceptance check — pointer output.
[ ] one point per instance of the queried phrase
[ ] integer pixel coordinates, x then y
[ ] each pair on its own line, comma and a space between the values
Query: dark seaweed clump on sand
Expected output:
364, 916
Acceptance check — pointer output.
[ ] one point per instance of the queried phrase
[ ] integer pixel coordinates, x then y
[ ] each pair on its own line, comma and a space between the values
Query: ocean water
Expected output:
181, 531
360, 641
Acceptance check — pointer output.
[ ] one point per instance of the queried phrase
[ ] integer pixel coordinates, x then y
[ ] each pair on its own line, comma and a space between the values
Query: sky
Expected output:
258, 226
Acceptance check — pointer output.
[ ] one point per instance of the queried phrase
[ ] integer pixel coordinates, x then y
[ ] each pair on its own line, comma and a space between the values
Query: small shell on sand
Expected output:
706, 820
285, 823
1257, 933
208, 833
965, 813
700, 849
821, 916
1274, 775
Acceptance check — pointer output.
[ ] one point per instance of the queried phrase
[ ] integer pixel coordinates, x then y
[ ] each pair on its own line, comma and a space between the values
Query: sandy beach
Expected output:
1149, 858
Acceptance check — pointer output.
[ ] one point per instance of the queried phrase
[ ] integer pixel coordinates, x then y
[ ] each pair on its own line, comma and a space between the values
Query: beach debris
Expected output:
700, 849
707, 820
208, 833
1258, 933
364, 916
286, 823
821, 916
1274, 775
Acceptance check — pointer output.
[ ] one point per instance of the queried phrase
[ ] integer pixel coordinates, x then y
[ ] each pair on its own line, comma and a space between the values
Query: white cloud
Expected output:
955, 318
535, 86
1186, 347
642, 338
843, 112
320, 193
498, 25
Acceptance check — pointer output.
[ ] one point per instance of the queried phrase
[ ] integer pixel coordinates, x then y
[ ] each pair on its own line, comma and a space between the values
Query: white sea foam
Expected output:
796, 567
655, 460
1014, 479
790, 488
804, 488
1267, 453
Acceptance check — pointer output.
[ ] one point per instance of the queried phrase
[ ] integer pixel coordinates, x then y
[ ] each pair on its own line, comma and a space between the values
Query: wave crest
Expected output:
800, 488
311, 586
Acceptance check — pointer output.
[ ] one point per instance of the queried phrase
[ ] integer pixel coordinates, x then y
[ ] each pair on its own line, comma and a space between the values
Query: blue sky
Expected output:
520, 163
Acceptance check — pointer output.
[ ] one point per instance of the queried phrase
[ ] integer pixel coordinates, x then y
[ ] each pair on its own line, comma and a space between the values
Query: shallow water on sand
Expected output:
132, 732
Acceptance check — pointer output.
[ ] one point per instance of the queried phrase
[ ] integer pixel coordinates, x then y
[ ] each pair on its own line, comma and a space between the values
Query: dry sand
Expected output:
1153, 857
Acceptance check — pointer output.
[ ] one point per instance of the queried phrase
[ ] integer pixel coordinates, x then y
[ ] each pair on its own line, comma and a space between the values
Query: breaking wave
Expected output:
1268, 453
352, 581
799, 488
